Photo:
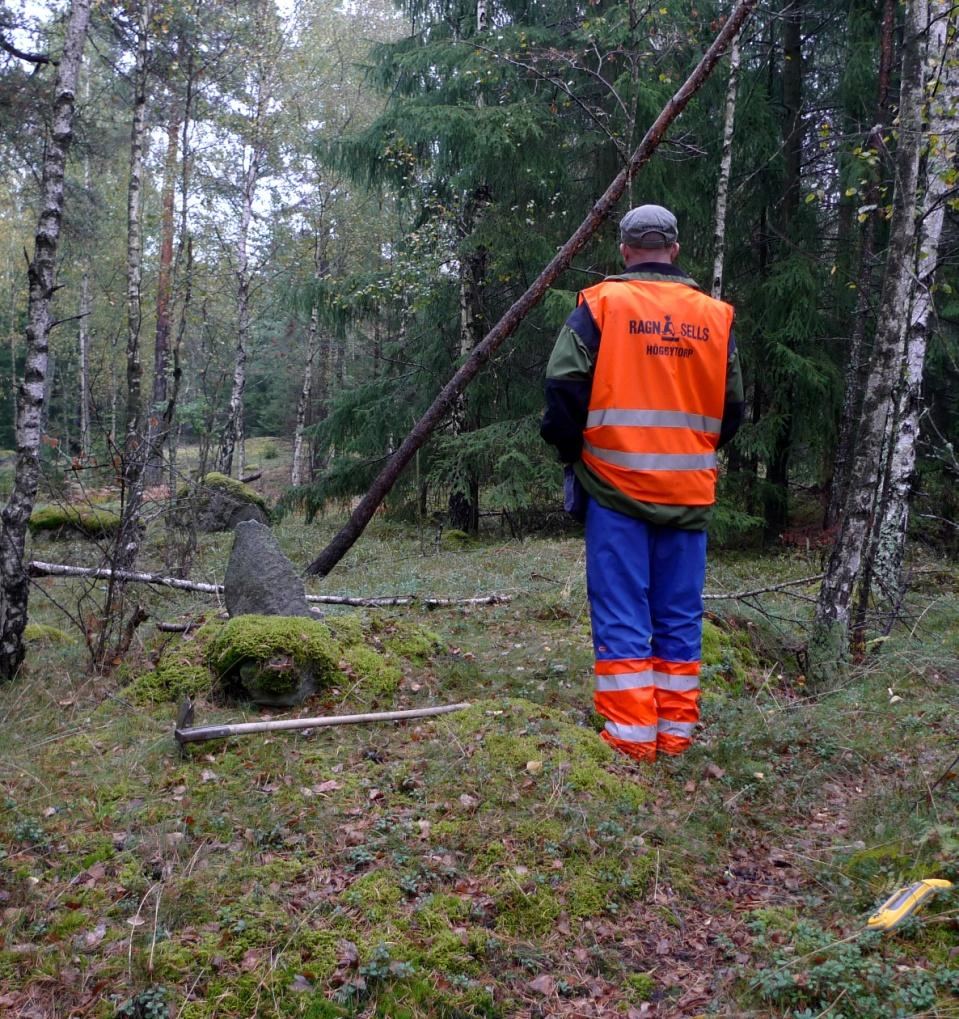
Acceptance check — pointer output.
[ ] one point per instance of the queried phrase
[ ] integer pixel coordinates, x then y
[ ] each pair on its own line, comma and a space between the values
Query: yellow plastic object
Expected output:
904, 903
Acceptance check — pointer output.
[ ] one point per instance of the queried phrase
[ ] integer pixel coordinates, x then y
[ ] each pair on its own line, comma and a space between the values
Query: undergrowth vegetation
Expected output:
495, 862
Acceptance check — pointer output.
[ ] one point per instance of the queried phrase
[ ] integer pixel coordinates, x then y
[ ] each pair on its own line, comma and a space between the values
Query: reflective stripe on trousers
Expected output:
660, 680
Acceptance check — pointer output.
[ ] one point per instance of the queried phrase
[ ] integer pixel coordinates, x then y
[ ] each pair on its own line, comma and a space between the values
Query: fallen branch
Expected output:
36, 568
39, 569
202, 733
407, 599
738, 595
164, 627
507, 325
255, 476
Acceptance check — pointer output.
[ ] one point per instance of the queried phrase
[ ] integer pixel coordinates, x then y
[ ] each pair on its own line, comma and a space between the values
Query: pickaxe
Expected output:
184, 732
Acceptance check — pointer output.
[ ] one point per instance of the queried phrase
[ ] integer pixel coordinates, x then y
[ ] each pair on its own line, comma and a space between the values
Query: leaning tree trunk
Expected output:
135, 446
344, 539
856, 359
829, 644
14, 584
941, 160
725, 171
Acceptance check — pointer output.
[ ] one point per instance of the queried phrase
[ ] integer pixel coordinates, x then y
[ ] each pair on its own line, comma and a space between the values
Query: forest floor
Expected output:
498, 861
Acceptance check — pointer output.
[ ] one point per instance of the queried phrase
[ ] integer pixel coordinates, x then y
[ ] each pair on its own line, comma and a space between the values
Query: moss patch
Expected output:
347, 629
525, 914
376, 895
181, 671
377, 675
89, 521
260, 639
412, 641
40, 633
516, 732
453, 539
726, 656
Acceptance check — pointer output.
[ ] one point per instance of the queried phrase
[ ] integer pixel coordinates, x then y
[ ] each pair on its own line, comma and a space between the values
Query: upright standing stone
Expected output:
259, 579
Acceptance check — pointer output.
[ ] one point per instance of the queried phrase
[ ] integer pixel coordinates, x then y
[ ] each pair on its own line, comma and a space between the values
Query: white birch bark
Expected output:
83, 341
231, 454
296, 472
232, 451
14, 584
135, 444
829, 643
462, 501
83, 331
725, 170
943, 64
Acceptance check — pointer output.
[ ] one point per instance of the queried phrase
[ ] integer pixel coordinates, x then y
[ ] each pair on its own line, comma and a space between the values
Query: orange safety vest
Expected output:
658, 389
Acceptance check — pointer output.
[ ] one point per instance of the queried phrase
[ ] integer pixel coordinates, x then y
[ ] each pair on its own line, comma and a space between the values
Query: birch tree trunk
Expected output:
780, 396
725, 171
83, 342
829, 644
182, 275
83, 326
135, 445
856, 360
232, 451
463, 507
943, 64
464, 499
161, 342
302, 406
14, 584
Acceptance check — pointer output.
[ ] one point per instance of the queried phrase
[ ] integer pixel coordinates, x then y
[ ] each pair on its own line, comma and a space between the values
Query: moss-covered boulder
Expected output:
278, 661
72, 521
40, 633
222, 502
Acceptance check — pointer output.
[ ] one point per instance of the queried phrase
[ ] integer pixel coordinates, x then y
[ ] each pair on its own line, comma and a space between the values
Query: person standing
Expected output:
642, 387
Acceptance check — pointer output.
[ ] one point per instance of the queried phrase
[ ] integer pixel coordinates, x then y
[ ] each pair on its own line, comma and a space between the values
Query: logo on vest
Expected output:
666, 330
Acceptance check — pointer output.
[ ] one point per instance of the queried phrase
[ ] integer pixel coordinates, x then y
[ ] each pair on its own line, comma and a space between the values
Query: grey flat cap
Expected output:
648, 226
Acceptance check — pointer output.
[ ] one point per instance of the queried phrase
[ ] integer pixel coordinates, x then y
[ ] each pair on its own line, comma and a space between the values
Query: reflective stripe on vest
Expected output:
653, 461
637, 680
654, 419
658, 389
